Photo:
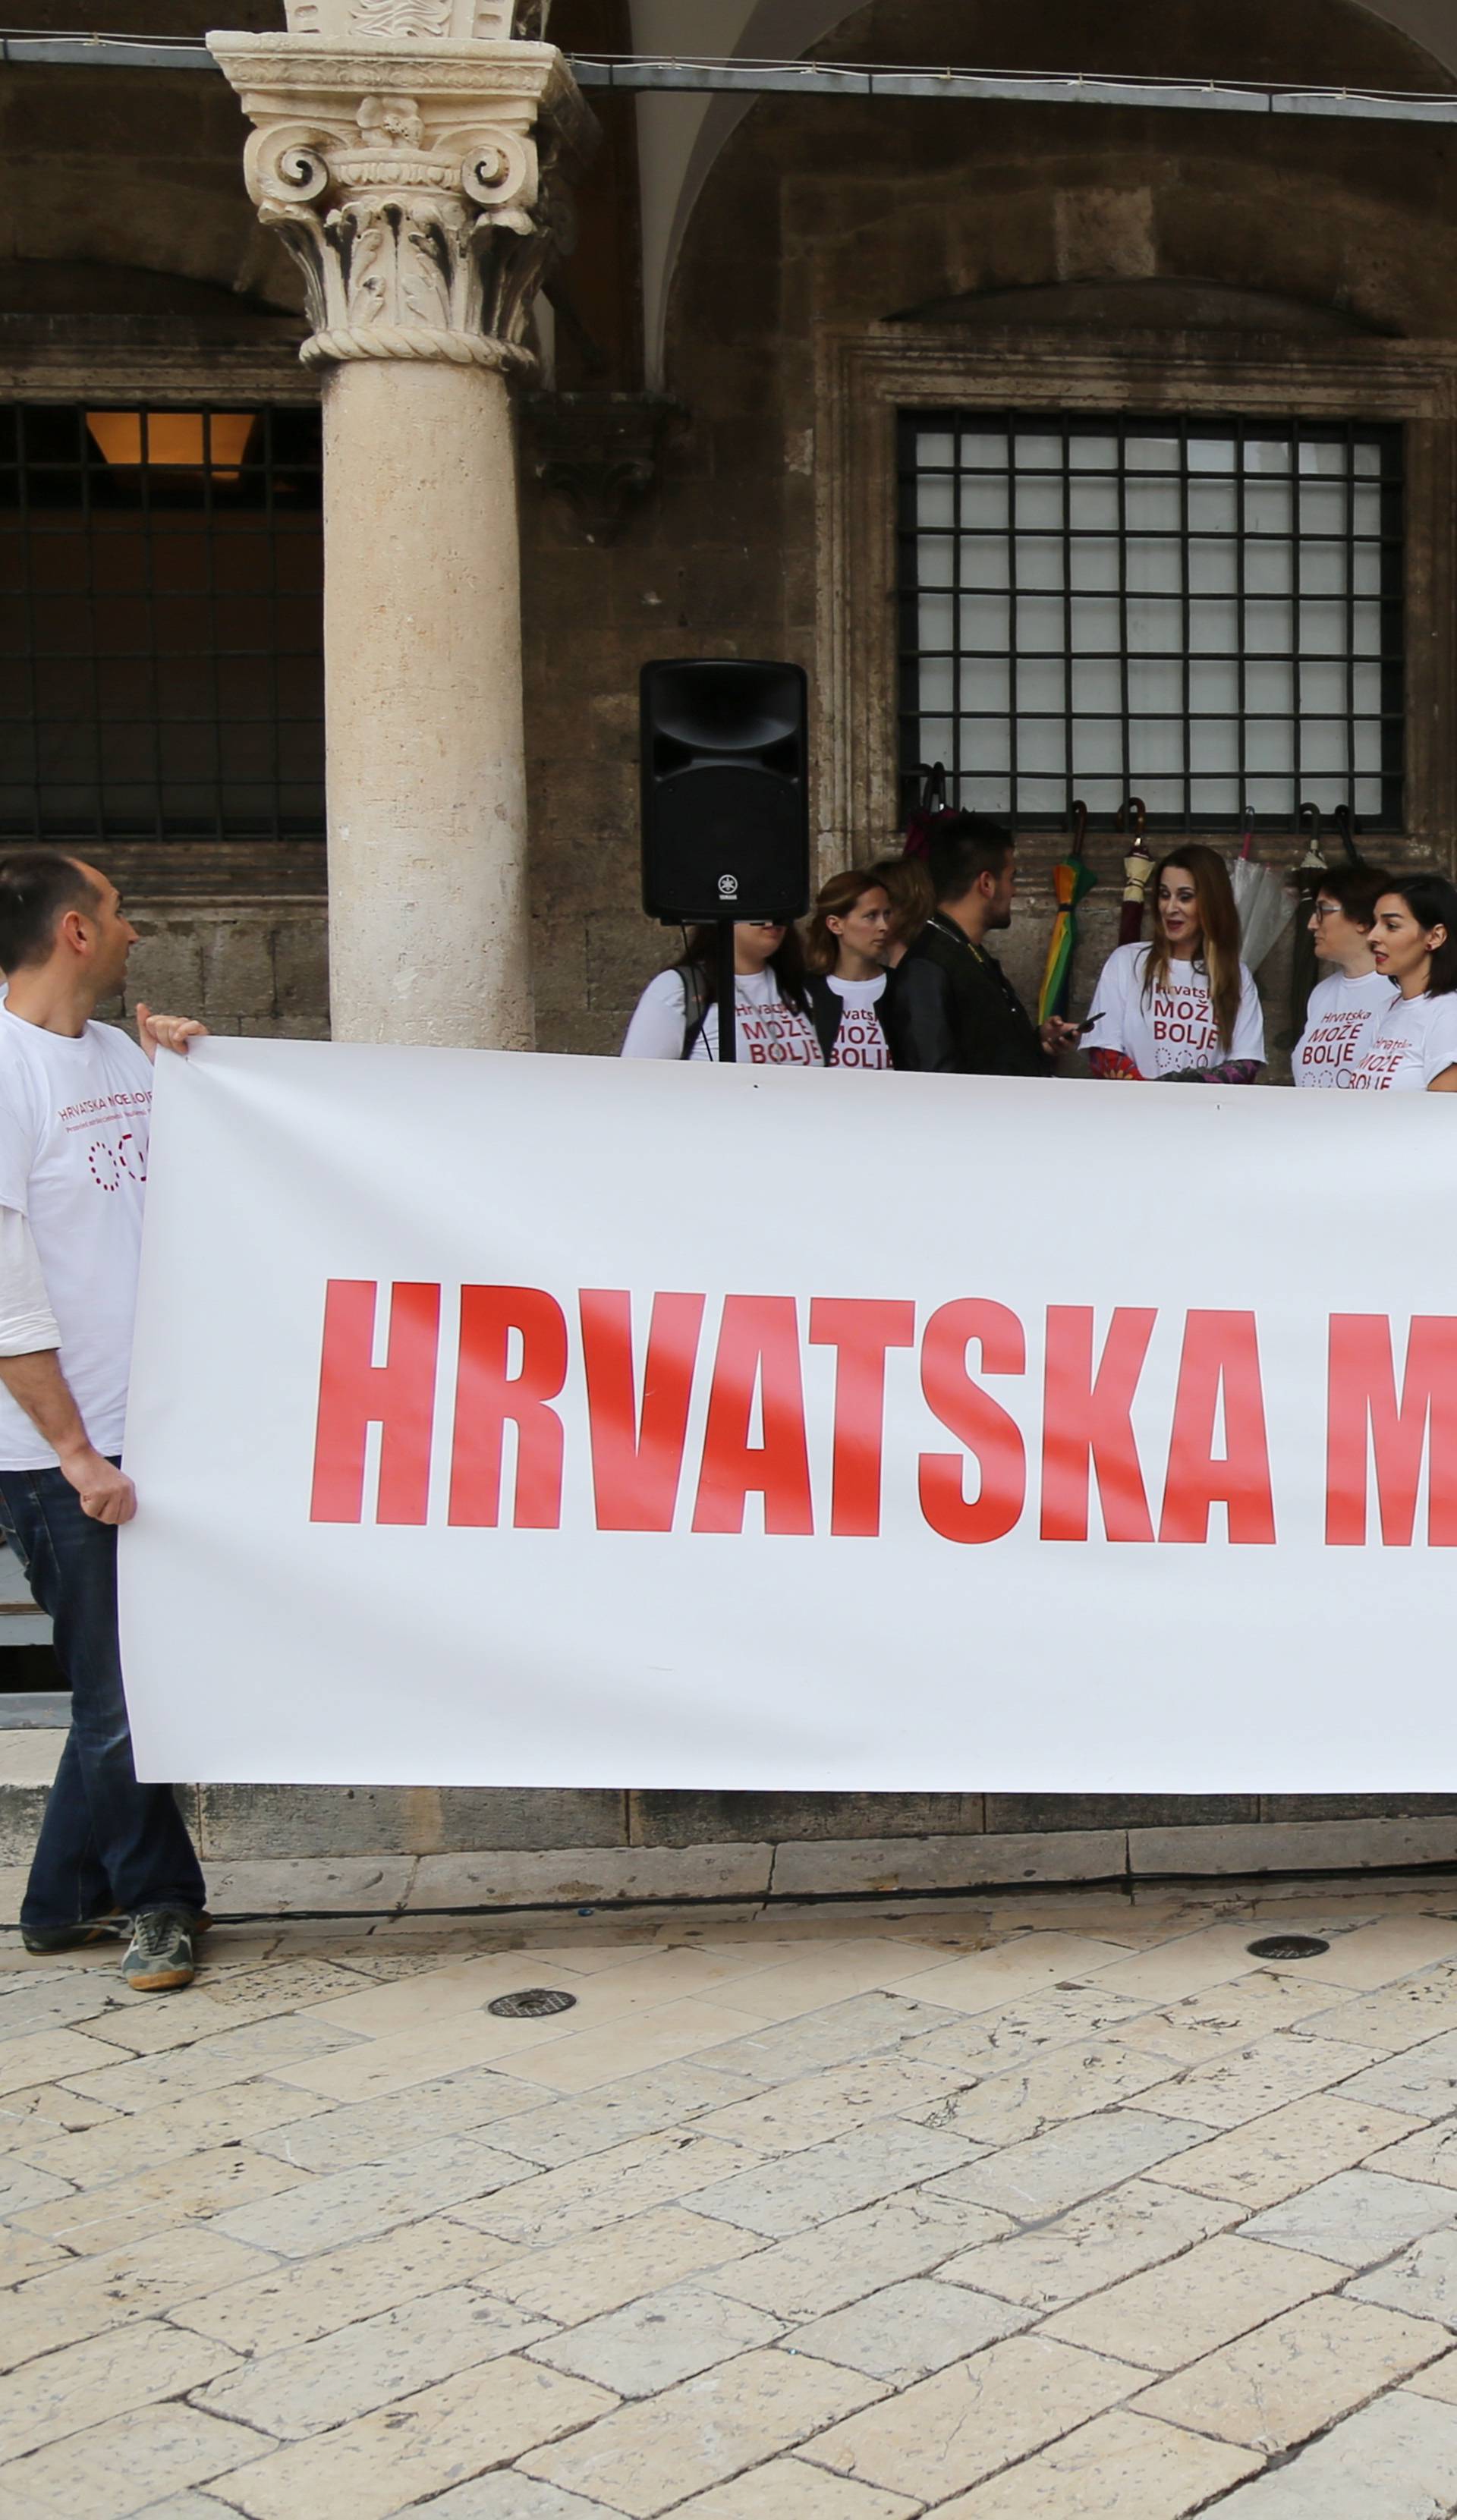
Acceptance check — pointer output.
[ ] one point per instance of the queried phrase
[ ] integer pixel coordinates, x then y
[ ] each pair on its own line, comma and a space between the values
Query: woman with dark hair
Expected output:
676, 1014
1346, 1007
1414, 942
1183, 1009
845, 951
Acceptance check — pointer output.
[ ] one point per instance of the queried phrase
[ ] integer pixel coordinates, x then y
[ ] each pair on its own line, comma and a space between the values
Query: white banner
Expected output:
557, 1422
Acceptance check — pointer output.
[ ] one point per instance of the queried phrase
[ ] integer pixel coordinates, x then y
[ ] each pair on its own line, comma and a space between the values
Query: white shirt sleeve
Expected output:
656, 1028
1439, 1049
26, 1320
1250, 1023
1109, 1004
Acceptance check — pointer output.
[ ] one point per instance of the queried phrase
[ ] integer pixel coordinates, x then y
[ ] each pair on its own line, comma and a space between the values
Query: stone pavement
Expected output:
1032, 2207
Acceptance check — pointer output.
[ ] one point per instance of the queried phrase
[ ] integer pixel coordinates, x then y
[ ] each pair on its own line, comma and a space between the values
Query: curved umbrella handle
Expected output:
1080, 827
1314, 855
1137, 814
1342, 818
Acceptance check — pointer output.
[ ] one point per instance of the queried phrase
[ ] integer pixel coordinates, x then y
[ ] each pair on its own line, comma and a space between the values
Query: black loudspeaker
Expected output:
725, 791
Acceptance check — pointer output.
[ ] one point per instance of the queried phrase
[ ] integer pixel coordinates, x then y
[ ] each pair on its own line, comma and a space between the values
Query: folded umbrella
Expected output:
1071, 882
1308, 875
1265, 905
1138, 870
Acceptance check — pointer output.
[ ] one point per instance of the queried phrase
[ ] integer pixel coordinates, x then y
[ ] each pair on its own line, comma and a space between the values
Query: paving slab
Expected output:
1357, 2218
1119, 2467
1394, 2461
1298, 2373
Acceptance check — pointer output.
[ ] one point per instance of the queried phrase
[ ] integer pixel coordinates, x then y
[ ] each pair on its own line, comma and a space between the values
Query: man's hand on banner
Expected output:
166, 1032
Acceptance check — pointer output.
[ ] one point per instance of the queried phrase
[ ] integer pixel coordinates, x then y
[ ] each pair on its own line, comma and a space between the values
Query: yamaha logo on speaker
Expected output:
728, 887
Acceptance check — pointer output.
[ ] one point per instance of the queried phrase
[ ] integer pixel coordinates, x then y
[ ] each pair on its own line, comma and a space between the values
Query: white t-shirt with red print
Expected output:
770, 1032
1174, 1028
75, 1121
860, 1042
1340, 1021
1414, 1043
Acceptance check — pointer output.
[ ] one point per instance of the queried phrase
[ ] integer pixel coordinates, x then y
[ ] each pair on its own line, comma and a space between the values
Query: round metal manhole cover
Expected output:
533, 2004
1289, 1946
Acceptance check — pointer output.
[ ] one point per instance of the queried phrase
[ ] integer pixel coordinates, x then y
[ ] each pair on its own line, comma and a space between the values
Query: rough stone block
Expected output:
356, 1885
27, 1765
238, 967
589, 1876
1040, 1811
22, 1809
300, 966
1293, 1846
1312, 1807
297, 1027
262, 1820
165, 969
876, 1866
687, 1820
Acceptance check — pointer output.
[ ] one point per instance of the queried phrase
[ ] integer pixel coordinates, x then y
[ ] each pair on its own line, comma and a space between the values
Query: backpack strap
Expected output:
825, 1009
696, 1004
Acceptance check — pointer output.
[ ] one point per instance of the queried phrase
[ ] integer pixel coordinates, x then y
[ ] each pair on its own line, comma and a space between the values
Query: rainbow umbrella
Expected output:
1071, 881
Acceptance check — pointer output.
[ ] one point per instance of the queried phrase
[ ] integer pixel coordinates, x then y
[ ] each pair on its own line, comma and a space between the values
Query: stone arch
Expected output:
93, 181
682, 140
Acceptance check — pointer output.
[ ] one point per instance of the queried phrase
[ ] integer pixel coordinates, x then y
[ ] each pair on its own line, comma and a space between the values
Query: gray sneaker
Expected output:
75, 1938
161, 1955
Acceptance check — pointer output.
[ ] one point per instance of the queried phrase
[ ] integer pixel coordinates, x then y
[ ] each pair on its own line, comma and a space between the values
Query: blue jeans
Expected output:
106, 1841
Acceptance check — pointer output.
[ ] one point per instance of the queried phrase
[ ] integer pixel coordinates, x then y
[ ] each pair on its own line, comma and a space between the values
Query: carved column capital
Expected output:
419, 184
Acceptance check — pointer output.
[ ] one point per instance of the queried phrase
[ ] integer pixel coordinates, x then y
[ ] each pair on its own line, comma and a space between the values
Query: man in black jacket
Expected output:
950, 1008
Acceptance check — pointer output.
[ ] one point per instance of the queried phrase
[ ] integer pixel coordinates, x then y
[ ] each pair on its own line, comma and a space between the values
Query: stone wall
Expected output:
456, 1849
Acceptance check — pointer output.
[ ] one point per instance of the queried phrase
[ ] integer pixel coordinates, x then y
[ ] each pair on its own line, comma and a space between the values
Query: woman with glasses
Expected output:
676, 1016
1184, 1008
1346, 1007
1414, 942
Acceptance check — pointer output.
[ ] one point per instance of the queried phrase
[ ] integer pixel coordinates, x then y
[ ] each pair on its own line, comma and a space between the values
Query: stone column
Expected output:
409, 155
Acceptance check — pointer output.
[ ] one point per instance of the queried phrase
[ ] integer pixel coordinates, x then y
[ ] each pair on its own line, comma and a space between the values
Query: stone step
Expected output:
371, 1850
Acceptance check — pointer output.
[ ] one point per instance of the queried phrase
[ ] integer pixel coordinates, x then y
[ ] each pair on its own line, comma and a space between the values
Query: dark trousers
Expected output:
106, 1841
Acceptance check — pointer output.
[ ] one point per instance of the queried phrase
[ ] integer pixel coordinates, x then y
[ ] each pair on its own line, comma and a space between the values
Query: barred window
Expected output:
161, 624
1207, 613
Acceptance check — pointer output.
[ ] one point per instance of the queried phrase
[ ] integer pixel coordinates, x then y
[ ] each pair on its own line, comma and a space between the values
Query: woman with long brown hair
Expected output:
845, 950
1183, 1009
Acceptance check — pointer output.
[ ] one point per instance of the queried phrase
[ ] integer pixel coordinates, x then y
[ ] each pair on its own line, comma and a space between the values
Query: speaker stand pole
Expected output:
728, 1012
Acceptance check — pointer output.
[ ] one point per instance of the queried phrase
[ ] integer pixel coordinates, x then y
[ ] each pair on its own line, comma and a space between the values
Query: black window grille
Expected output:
1207, 613
161, 624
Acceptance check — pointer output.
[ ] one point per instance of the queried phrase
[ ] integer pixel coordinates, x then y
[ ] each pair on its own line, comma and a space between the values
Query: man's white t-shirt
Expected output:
1342, 1017
1174, 1029
770, 1033
74, 1120
860, 1042
1415, 1042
